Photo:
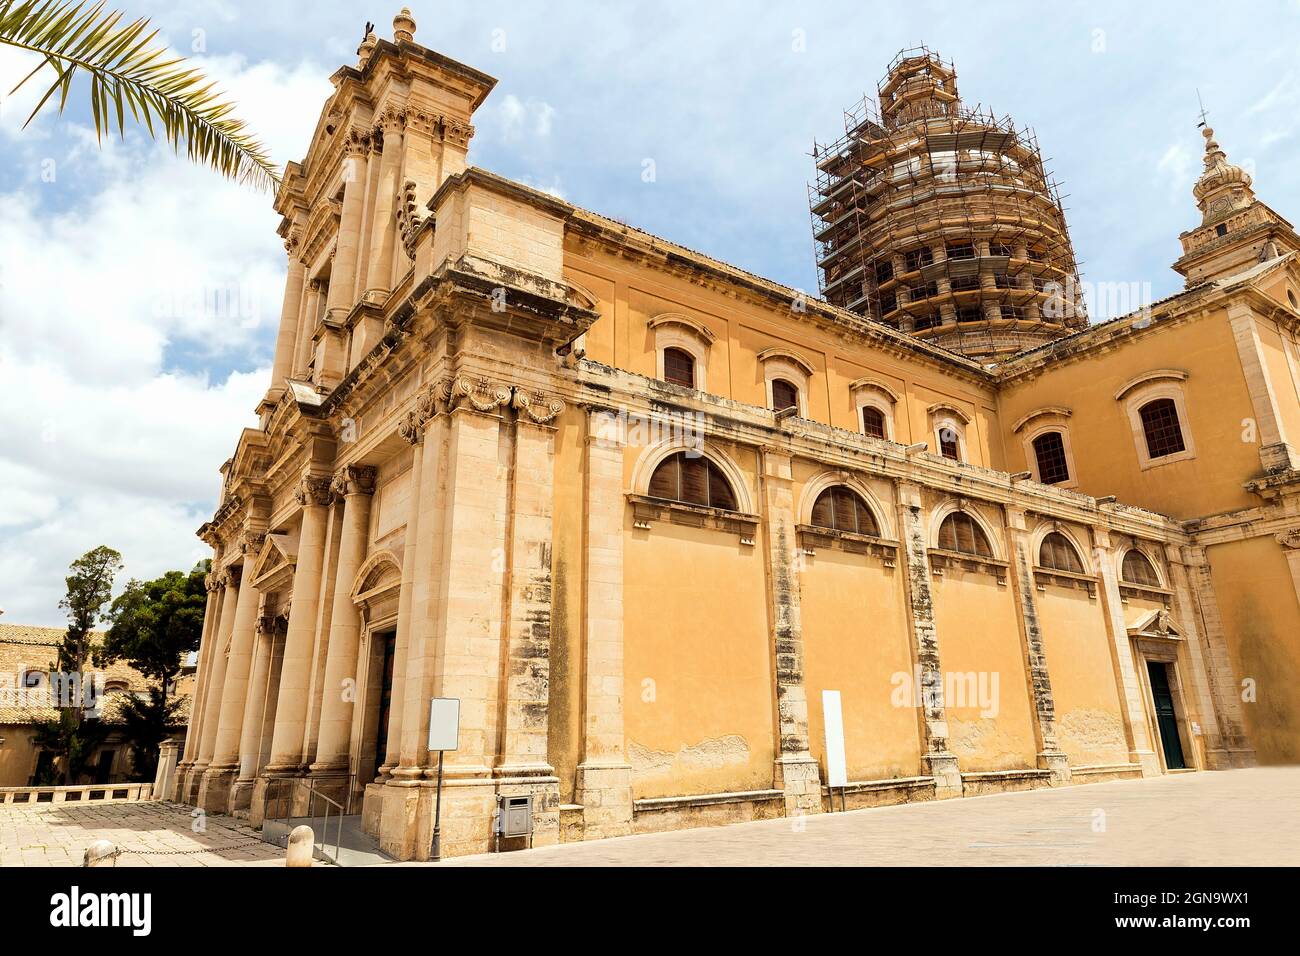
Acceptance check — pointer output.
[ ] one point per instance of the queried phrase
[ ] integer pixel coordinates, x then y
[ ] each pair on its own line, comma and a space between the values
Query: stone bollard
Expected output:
301, 844
101, 853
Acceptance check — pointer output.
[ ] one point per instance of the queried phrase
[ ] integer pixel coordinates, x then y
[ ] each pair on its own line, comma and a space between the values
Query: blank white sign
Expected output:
444, 723
837, 774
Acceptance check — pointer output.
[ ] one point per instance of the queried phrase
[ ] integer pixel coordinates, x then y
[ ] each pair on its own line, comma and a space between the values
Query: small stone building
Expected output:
27, 656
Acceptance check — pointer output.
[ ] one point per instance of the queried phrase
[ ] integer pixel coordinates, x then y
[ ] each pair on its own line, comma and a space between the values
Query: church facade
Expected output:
655, 522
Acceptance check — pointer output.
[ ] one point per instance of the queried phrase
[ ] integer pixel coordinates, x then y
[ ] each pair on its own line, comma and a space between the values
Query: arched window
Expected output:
1138, 569
679, 367
693, 480
1164, 434
1057, 553
840, 509
960, 532
873, 422
784, 395
1049, 451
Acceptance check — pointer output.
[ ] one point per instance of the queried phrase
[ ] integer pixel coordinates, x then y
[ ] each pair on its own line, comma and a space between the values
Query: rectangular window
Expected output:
1164, 435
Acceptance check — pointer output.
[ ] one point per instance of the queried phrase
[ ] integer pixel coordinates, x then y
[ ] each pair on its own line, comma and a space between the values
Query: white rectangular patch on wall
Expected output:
444, 723
837, 774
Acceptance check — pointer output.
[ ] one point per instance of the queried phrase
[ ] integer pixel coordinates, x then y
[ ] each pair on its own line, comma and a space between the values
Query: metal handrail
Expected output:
280, 801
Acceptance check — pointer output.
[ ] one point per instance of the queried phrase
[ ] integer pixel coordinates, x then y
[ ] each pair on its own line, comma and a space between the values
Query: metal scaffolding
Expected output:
941, 220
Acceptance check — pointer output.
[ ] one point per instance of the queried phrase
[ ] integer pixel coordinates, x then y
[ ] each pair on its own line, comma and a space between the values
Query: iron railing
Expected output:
282, 798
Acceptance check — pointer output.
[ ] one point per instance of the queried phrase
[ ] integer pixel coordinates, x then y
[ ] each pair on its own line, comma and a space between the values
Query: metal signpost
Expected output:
444, 735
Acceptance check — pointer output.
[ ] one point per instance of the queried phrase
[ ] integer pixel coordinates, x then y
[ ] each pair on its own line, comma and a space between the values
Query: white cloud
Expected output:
1175, 167
129, 286
516, 118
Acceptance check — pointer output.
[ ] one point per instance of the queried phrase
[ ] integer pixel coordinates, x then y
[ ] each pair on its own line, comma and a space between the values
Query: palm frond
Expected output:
128, 72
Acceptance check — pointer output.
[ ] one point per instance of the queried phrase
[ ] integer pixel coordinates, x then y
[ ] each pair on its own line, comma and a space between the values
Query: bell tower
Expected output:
1237, 230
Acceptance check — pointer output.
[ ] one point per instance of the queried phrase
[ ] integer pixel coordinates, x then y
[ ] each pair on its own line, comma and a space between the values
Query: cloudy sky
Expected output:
138, 295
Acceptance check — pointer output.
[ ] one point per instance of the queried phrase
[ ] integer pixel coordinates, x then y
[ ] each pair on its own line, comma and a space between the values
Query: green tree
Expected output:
129, 72
154, 624
71, 736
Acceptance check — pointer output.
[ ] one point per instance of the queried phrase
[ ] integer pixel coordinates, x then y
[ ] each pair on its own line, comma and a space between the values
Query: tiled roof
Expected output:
23, 648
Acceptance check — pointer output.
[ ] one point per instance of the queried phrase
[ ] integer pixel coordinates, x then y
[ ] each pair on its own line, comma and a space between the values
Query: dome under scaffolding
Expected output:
940, 220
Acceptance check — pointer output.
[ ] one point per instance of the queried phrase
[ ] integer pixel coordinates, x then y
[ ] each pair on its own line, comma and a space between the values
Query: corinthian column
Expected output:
217, 670
342, 292
282, 367
383, 235
295, 673
220, 774
356, 484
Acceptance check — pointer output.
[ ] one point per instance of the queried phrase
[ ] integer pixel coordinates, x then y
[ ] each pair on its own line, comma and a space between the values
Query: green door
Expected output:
1166, 720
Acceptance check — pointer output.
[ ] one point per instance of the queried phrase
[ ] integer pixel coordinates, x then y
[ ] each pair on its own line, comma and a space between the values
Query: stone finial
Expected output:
404, 26
366, 49
1223, 188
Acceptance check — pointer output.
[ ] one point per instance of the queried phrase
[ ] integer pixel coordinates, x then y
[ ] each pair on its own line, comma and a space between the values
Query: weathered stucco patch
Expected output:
982, 746
712, 753
1092, 736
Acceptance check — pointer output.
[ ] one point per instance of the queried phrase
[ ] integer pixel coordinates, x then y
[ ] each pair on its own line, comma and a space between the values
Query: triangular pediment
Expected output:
1156, 623
274, 567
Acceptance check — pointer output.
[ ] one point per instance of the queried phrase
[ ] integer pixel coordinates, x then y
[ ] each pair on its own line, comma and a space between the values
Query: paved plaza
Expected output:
1229, 818
1236, 818
148, 834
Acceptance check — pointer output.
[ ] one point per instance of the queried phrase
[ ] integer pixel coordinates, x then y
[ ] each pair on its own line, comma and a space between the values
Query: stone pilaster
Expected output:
604, 777
796, 771
415, 648
1275, 451
1234, 748
528, 626
938, 761
1136, 726
355, 484
413, 431
307, 321
217, 779
1050, 755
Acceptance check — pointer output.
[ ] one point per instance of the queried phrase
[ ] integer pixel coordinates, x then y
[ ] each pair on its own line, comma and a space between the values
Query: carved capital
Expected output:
458, 134
536, 407
1290, 540
478, 394
313, 491
252, 542
354, 480
390, 121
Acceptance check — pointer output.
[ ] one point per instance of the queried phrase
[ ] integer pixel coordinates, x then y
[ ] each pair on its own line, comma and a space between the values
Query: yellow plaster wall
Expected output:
856, 641
976, 622
698, 679
1261, 622
1089, 717
1105, 453
632, 294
